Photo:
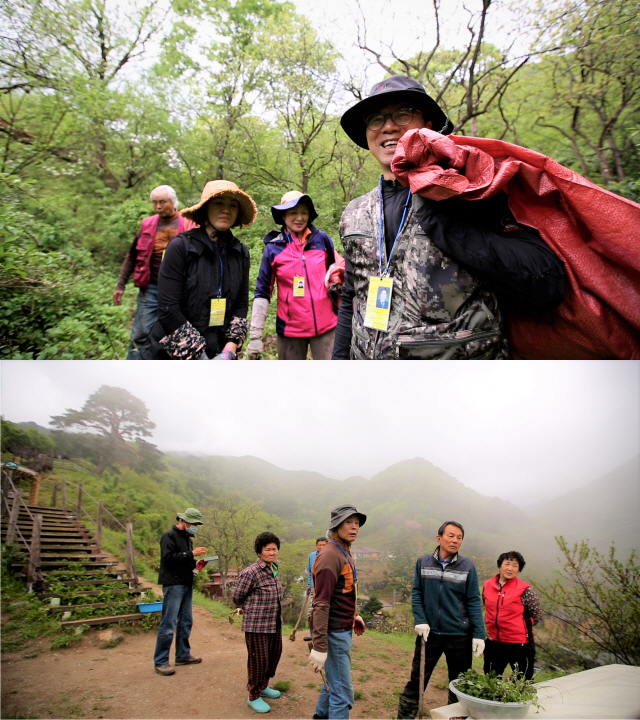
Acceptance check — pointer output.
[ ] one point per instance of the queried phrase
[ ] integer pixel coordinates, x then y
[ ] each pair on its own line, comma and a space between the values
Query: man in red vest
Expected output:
143, 260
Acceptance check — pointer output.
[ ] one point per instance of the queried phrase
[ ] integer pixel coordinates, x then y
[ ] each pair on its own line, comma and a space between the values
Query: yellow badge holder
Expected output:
218, 309
298, 286
378, 303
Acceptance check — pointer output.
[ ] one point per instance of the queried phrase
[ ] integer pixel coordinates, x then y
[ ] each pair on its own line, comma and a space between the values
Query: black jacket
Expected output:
190, 277
176, 558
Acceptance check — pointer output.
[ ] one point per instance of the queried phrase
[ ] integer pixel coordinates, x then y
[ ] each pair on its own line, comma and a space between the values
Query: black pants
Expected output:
457, 651
497, 655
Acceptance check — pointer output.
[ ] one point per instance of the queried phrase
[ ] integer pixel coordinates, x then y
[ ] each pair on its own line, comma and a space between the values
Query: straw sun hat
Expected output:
248, 209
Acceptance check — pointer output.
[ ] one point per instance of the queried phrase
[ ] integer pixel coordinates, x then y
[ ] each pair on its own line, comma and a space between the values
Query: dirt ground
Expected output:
90, 681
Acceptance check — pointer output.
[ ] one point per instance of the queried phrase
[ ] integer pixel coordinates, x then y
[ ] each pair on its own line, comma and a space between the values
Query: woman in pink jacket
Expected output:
300, 259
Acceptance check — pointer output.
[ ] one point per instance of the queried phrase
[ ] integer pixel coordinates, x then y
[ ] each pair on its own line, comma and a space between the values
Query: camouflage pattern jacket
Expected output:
438, 310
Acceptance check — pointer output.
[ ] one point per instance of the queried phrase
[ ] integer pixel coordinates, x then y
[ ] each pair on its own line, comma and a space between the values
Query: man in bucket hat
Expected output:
444, 265
334, 614
177, 564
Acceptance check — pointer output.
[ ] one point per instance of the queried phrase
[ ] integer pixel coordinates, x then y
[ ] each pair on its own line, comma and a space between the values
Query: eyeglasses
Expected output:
400, 117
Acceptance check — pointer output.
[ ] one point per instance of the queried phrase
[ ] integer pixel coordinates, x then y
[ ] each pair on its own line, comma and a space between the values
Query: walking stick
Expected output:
421, 694
324, 680
292, 637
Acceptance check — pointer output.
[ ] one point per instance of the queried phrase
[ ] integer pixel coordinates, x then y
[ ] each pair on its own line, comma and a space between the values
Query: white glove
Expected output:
254, 349
423, 630
478, 646
317, 660
258, 321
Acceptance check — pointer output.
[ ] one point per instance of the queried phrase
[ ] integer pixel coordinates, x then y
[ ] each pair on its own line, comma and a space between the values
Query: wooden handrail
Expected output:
33, 568
34, 571
84, 492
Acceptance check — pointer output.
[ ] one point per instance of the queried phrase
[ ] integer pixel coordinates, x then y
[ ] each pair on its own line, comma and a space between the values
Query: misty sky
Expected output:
519, 430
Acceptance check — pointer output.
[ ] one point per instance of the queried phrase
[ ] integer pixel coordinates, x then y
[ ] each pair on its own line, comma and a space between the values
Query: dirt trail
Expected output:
87, 681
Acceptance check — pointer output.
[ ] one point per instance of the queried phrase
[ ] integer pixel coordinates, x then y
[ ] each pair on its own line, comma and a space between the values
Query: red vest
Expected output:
504, 611
148, 229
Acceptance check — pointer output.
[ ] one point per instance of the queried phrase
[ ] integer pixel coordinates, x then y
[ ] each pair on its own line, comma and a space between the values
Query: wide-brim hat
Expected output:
342, 512
192, 516
214, 188
290, 200
395, 89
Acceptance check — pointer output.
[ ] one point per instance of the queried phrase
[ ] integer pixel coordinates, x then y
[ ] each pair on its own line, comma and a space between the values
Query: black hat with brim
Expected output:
395, 89
278, 211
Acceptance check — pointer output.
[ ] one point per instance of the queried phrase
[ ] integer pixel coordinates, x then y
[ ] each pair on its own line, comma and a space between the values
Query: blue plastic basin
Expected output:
150, 607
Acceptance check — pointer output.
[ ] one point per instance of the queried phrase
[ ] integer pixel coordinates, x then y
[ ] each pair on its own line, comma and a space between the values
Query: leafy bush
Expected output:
56, 300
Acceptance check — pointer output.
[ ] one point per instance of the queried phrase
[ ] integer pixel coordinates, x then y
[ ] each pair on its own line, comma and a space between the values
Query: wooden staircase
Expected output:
65, 543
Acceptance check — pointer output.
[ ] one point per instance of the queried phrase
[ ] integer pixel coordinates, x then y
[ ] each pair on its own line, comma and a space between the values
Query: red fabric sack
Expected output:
593, 231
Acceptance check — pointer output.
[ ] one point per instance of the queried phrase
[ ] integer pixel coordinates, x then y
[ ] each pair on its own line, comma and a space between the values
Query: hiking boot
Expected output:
407, 708
189, 661
165, 670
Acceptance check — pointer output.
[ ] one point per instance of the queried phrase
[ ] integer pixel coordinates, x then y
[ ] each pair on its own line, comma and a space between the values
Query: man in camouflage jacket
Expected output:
451, 261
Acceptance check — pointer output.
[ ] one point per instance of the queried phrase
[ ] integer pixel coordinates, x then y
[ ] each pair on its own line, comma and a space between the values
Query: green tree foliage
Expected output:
115, 415
370, 608
248, 90
596, 601
292, 561
54, 302
231, 526
591, 85
402, 564
25, 443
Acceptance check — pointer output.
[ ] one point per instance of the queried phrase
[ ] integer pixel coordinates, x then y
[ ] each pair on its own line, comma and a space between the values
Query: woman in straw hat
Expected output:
302, 260
203, 285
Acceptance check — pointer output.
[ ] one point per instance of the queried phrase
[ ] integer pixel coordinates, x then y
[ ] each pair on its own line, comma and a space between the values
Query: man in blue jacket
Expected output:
320, 543
447, 610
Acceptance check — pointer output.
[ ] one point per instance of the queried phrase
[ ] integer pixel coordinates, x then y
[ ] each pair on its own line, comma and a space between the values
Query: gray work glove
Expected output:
258, 321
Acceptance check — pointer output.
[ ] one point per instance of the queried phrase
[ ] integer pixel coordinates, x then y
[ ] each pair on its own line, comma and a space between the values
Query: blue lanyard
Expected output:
353, 567
220, 255
293, 257
380, 236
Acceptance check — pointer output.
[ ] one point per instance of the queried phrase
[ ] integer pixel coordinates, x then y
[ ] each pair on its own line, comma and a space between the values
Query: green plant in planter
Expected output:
515, 688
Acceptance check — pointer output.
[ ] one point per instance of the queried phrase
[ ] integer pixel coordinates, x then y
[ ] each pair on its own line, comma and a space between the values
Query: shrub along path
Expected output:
89, 680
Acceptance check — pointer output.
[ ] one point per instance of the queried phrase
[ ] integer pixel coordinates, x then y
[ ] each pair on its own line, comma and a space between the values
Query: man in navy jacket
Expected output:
447, 610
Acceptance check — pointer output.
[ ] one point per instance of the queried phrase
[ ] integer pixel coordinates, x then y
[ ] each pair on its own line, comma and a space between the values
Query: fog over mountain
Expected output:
523, 432
410, 499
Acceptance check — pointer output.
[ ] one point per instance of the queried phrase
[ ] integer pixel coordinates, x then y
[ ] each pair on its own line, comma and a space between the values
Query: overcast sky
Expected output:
518, 430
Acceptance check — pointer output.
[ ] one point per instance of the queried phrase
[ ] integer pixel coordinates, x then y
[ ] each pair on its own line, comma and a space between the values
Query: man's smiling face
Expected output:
382, 143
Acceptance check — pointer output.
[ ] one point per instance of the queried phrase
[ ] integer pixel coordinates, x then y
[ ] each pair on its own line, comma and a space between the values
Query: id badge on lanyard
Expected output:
298, 286
378, 307
218, 304
376, 315
218, 309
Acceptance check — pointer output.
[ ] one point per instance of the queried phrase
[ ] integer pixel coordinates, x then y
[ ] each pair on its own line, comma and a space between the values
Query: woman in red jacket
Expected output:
511, 610
300, 258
